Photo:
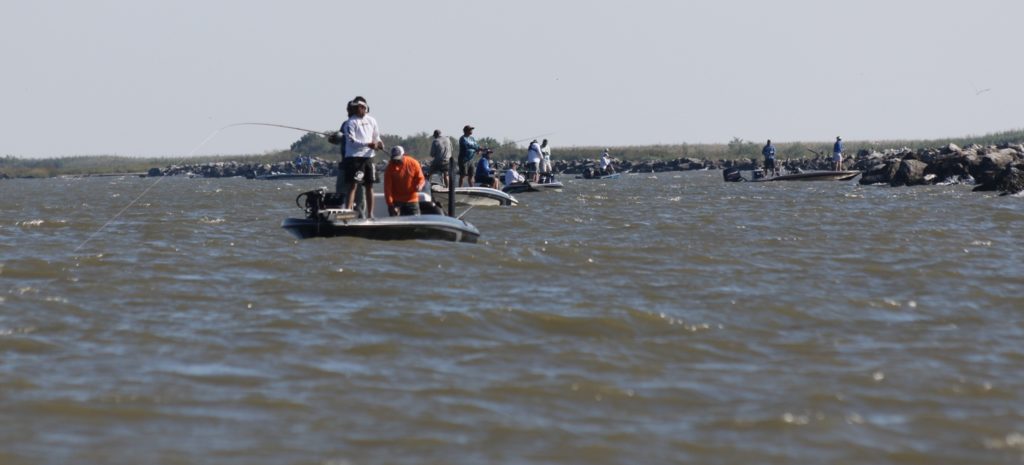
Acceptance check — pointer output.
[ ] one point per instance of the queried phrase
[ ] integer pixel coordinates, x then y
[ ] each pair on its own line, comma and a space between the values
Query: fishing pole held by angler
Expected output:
538, 136
325, 134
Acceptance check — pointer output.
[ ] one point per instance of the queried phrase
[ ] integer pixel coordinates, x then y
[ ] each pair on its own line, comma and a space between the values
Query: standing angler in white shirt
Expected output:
533, 158
362, 136
606, 163
545, 163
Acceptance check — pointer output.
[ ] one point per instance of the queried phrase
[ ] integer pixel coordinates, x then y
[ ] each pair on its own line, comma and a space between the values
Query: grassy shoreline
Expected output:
15, 167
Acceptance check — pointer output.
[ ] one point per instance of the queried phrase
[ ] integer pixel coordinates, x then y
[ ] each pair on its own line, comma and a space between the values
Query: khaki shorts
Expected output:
439, 166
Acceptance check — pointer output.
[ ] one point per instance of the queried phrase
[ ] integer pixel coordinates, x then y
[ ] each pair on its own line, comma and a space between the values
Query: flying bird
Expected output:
979, 91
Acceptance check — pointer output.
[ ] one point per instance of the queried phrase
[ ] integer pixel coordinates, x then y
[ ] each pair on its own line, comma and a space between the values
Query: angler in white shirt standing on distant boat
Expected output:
606, 164
533, 158
545, 161
362, 136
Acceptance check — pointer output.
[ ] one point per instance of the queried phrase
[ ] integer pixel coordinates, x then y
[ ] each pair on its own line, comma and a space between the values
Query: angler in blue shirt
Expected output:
467, 149
769, 159
484, 174
837, 154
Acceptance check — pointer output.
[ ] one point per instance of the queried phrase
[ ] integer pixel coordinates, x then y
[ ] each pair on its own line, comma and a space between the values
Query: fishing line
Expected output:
151, 186
190, 154
532, 138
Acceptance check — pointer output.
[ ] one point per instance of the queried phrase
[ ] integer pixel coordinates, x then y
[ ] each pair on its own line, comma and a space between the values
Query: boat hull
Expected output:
607, 176
735, 175
520, 187
814, 176
475, 196
394, 228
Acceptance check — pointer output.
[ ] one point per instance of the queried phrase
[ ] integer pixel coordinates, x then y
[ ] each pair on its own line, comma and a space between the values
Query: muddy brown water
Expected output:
667, 318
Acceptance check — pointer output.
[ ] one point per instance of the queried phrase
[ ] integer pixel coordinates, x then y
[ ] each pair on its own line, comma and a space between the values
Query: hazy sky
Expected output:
138, 77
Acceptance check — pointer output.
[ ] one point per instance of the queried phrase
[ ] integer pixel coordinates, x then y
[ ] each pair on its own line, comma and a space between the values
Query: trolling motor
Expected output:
314, 202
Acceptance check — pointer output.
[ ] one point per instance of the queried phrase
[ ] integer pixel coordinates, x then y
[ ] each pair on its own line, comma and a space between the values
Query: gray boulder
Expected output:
987, 166
1008, 181
950, 148
951, 167
910, 173
883, 174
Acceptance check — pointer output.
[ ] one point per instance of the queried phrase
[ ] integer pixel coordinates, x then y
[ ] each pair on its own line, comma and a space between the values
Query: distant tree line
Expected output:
311, 144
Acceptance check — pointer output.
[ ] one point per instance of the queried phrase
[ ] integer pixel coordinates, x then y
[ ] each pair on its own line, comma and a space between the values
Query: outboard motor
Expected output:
732, 175
314, 202
758, 173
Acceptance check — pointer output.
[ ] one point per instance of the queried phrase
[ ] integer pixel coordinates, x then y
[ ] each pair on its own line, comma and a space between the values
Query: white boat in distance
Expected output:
475, 196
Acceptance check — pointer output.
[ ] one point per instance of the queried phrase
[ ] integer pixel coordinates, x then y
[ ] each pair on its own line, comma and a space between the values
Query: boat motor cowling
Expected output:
314, 201
732, 175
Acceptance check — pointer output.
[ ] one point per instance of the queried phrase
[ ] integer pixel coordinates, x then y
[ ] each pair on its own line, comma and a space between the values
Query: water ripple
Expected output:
665, 318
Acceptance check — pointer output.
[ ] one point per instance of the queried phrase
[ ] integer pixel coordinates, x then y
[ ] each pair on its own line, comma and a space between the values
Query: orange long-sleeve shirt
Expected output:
403, 180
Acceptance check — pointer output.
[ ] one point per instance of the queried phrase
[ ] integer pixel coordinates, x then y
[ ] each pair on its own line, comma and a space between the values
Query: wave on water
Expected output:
646, 320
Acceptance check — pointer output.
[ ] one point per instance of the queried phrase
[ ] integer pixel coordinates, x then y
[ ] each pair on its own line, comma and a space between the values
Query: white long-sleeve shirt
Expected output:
513, 176
359, 134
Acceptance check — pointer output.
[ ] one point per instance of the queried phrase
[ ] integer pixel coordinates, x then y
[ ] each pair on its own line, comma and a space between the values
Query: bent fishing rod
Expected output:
532, 138
277, 126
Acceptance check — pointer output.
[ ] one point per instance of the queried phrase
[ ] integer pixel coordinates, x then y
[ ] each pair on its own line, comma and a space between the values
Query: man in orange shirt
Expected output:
403, 179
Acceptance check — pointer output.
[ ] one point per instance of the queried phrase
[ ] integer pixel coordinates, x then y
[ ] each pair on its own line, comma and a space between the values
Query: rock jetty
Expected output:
996, 168
231, 169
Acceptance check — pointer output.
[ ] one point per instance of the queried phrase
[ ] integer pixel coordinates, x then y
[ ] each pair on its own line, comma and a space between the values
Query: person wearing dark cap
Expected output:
467, 150
440, 156
403, 179
837, 154
485, 175
362, 137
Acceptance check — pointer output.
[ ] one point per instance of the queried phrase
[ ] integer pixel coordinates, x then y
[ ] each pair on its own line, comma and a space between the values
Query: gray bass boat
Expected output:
473, 196
604, 176
547, 183
325, 218
735, 175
